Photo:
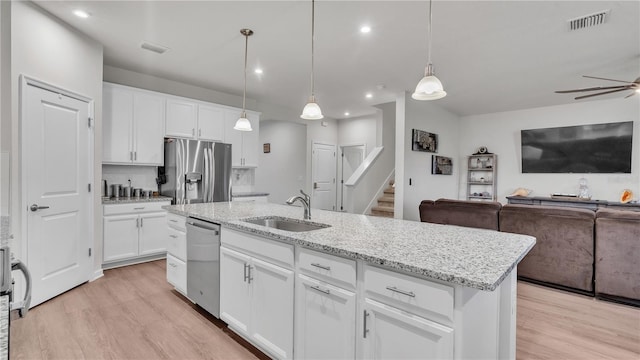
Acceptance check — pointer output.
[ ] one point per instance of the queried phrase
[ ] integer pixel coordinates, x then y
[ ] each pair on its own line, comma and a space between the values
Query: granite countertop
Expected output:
123, 200
469, 257
248, 194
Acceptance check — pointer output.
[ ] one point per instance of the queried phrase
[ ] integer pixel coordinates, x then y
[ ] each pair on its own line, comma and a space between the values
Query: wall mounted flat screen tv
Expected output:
597, 148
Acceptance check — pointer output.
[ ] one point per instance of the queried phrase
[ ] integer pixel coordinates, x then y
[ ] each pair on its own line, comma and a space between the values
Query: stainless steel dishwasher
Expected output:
203, 264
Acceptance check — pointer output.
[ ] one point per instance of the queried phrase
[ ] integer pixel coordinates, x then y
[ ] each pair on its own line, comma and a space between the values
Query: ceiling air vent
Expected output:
153, 47
588, 20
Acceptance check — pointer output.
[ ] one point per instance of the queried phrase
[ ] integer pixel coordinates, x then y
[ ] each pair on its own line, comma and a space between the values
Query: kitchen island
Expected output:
402, 287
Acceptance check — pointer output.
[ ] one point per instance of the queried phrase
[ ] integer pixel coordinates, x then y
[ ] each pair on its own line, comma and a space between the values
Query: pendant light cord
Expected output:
429, 37
313, 6
244, 93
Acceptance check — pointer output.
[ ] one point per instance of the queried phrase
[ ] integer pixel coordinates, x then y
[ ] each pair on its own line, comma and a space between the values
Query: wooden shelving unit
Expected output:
482, 173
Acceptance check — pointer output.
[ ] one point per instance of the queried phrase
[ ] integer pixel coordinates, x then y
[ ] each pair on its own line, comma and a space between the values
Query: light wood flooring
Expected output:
132, 313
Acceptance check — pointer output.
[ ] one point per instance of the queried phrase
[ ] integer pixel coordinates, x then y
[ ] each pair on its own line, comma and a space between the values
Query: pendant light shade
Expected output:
429, 87
312, 110
243, 124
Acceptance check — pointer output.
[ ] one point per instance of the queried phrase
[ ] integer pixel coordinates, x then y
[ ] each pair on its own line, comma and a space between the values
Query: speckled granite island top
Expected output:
469, 257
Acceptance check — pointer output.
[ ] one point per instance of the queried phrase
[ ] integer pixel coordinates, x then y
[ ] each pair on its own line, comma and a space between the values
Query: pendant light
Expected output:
243, 124
312, 111
430, 87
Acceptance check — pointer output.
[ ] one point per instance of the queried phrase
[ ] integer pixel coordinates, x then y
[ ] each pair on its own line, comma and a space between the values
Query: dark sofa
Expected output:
477, 214
618, 254
563, 254
574, 246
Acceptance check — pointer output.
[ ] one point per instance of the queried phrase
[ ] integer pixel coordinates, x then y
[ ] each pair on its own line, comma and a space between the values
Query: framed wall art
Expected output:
441, 165
424, 141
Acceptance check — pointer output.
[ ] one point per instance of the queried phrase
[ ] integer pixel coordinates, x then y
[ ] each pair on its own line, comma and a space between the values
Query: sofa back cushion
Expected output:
618, 253
563, 253
477, 214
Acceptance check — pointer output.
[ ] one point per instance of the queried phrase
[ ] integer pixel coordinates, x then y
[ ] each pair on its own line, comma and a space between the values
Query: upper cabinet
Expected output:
133, 126
190, 119
246, 144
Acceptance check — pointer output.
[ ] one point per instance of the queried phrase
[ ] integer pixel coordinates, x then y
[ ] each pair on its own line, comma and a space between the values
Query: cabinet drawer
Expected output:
275, 252
177, 273
134, 207
330, 268
177, 243
422, 297
177, 221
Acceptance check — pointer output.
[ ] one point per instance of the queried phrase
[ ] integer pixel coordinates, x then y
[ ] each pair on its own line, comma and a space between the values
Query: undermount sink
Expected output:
286, 224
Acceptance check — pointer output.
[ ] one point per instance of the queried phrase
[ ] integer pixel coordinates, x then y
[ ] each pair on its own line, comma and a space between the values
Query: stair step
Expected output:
390, 190
387, 198
387, 209
382, 214
385, 203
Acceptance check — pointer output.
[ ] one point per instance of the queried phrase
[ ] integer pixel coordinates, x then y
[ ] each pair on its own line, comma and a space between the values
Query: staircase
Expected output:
385, 202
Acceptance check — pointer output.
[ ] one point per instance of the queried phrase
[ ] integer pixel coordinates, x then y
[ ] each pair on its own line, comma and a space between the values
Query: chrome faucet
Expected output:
306, 203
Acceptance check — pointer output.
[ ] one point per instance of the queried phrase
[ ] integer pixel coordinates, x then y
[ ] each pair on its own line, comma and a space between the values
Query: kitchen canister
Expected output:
137, 192
116, 190
126, 192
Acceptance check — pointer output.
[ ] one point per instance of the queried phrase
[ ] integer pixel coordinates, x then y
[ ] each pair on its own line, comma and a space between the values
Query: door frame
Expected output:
26, 81
335, 183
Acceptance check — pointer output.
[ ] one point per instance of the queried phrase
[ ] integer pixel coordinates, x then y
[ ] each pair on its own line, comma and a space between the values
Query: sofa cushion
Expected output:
478, 214
618, 253
563, 253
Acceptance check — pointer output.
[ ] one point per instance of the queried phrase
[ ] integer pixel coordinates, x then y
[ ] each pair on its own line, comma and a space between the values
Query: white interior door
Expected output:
352, 157
323, 174
56, 141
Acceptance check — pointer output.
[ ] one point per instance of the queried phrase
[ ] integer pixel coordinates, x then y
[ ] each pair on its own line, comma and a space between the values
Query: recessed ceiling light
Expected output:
81, 13
346, 113
365, 29
258, 71
369, 95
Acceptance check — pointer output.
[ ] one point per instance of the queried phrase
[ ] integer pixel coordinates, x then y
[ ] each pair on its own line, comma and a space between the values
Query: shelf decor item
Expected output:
424, 141
441, 165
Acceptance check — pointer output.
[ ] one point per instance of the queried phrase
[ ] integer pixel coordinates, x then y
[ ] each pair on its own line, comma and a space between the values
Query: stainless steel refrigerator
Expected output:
195, 171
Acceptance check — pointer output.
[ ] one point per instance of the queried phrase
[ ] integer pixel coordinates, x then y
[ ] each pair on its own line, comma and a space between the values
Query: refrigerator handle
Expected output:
212, 172
205, 181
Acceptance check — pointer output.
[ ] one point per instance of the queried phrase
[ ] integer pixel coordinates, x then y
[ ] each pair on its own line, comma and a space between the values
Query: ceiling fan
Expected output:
630, 85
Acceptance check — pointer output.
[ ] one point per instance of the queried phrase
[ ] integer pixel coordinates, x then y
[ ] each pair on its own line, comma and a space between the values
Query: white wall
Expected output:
49, 50
500, 132
360, 130
282, 172
428, 116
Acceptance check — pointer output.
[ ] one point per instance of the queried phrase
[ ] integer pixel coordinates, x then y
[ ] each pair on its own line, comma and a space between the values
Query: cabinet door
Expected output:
120, 237
181, 118
251, 142
177, 273
390, 333
117, 125
272, 308
235, 290
211, 123
233, 137
325, 320
148, 120
153, 233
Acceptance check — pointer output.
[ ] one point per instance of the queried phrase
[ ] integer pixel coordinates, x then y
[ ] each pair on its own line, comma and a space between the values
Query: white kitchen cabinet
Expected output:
391, 333
195, 120
211, 123
256, 295
133, 126
181, 118
177, 252
246, 144
325, 320
133, 232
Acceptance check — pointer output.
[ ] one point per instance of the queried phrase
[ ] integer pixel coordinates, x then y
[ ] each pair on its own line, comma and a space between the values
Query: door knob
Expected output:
315, 185
35, 207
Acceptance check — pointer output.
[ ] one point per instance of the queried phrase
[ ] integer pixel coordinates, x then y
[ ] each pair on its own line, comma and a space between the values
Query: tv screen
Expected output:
597, 148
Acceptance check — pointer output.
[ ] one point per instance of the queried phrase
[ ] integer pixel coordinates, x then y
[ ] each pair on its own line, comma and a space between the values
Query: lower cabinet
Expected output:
256, 300
325, 320
132, 231
177, 252
391, 333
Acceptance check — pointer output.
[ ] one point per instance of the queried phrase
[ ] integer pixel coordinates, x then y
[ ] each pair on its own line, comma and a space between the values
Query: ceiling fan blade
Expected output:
599, 78
593, 89
602, 93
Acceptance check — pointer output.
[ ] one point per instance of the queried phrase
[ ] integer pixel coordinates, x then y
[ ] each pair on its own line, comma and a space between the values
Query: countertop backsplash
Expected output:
243, 180
143, 177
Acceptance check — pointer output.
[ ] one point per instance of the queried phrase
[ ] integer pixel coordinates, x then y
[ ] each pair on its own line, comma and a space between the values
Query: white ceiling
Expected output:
491, 56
